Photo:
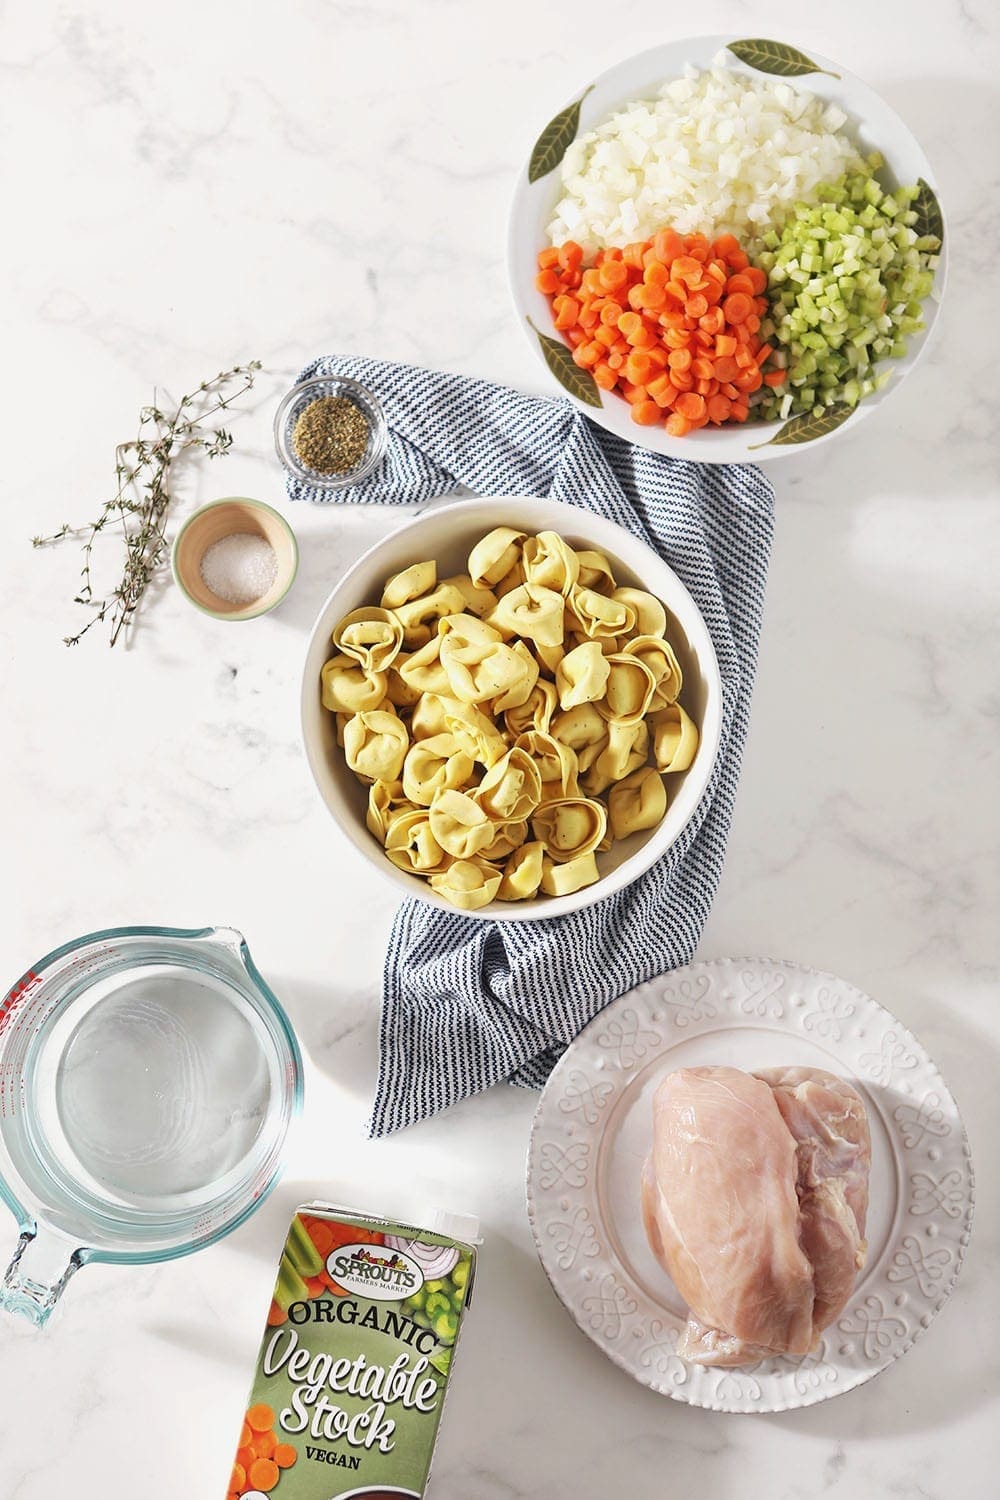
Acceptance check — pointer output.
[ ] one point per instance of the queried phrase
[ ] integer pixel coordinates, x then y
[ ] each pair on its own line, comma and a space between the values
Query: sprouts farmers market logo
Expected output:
375, 1271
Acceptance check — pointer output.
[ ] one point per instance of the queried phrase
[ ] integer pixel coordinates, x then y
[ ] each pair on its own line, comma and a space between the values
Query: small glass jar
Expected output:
295, 403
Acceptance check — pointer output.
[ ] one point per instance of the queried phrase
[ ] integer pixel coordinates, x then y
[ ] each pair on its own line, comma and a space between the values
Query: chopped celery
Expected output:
846, 278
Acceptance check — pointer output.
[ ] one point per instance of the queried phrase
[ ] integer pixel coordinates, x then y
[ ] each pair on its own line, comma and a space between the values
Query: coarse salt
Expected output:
239, 568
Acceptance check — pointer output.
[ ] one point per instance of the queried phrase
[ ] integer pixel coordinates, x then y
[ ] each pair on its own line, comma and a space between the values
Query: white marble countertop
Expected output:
202, 183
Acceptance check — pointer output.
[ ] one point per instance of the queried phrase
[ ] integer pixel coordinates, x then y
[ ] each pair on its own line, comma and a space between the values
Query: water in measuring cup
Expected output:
158, 1090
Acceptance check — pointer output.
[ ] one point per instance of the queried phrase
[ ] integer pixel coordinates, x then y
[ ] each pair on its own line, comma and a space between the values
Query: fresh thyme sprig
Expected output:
143, 469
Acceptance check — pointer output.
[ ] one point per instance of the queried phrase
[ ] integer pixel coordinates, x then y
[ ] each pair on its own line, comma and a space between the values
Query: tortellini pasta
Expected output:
418, 579
532, 612
435, 765
417, 616
348, 688
410, 843
460, 825
511, 721
582, 675
375, 744
549, 561
468, 883
570, 827
638, 802
493, 557
522, 874
535, 712
511, 789
675, 739
372, 636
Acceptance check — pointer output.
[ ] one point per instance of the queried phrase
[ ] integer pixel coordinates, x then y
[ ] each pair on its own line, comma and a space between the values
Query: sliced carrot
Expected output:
567, 310
633, 393
245, 1455
672, 324
662, 390
260, 1418
264, 1474
737, 308
638, 367
239, 1477
613, 273
668, 245
285, 1456
685, 268
691, 405
775, 377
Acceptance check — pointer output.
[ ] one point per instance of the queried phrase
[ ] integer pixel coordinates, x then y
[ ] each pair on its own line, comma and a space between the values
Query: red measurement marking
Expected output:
16, 994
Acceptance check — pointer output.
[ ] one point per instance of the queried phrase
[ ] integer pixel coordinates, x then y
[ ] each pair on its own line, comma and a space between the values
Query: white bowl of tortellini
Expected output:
511, 706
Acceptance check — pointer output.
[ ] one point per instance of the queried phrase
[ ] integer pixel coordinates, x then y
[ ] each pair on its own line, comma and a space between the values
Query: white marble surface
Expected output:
192, 184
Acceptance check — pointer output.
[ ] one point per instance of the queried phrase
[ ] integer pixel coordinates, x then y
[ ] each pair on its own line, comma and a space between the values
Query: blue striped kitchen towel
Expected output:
467, 1003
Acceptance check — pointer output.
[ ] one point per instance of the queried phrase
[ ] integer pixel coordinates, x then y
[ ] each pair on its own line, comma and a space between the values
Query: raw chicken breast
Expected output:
721, 1210
754, 1199
828, 1121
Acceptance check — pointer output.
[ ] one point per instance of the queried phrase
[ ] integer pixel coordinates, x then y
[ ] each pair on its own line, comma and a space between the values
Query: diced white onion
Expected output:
717, 151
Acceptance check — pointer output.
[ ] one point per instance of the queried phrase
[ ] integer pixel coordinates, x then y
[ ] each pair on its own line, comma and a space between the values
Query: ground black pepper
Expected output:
331, 435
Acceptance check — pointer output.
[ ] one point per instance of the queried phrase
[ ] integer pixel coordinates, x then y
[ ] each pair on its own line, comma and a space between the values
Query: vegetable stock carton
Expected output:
356, 1357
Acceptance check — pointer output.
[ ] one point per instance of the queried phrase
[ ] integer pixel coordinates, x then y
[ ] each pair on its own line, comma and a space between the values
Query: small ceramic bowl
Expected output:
295, 403
873, 125
447, 533
232, 517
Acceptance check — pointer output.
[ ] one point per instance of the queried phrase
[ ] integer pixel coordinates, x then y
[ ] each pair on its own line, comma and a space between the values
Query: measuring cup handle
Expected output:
33, 1282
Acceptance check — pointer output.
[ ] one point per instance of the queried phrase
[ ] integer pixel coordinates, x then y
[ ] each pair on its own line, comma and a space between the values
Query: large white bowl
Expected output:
447, 534
874, 126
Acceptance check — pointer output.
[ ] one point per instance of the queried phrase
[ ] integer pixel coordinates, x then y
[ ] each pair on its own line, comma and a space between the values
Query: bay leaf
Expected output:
571, 376
806, 426
930, 219
555, 139
775, 57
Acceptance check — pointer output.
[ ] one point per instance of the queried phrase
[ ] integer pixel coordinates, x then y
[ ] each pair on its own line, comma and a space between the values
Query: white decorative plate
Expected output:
591, 1135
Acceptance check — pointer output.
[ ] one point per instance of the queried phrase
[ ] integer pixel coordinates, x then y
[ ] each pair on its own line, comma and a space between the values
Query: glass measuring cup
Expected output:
148, 1078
